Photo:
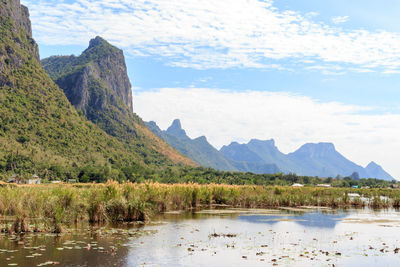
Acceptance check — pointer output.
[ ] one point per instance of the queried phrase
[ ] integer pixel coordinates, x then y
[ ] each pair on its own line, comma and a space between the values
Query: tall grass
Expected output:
65, 204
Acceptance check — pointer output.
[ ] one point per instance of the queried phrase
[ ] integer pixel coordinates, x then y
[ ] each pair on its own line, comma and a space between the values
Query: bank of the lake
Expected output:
52, 207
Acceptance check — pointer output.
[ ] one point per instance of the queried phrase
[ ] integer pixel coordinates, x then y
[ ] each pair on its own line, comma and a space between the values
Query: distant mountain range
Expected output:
260, 156
203, 153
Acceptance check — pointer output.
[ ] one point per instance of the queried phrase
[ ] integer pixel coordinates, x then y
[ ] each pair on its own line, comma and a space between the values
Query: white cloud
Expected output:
340, 19
292, 120
207, 34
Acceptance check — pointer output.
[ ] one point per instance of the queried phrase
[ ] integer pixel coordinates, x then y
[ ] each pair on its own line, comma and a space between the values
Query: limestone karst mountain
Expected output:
203, 153
41, 132
97, 84
197, 149
262, 156
321, 159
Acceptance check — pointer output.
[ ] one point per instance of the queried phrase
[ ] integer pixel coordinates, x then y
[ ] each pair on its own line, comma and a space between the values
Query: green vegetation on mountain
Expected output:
97, 84
42, 133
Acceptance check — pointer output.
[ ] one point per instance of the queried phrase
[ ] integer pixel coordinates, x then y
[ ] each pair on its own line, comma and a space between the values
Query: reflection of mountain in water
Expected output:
309, 219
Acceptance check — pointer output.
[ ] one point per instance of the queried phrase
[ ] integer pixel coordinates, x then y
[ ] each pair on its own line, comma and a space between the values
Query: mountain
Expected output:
95, 79
259, 152
376, 171
203, 153
97, 84
197, 149
255, 167
323, 160
240, 153
262, 156
42, 133
176, 130
320, 159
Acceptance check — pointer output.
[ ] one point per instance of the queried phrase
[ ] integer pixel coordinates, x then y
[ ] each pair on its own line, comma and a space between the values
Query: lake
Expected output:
228, 237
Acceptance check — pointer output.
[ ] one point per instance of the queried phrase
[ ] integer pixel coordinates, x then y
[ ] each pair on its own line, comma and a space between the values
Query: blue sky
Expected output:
296, 71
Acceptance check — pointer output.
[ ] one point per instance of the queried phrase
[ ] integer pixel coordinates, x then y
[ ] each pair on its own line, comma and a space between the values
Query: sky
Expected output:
297, 71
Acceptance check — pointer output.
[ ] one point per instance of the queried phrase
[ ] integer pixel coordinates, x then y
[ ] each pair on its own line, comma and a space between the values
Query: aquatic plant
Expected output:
54, 206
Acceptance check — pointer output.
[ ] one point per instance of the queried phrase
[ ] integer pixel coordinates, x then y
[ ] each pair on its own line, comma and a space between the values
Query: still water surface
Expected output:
231, 237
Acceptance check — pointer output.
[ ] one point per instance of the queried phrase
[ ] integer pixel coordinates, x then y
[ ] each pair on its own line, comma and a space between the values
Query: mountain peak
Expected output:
201, 139
233, 143
102, 66
373, 164
270, 142
176, 129
97, 41
325, 145
321, 145
373, 167
176, 124
316, 150
374, 170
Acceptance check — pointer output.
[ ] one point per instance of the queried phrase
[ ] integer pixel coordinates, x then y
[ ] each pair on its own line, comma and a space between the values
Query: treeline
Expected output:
206, 176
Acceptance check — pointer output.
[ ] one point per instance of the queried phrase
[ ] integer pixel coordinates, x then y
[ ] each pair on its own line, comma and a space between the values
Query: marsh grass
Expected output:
53, 207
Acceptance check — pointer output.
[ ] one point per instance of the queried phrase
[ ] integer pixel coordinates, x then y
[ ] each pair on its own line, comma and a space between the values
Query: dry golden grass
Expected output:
63, 204
165, 149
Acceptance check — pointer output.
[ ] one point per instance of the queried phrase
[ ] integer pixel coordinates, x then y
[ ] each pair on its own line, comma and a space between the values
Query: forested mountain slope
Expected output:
41, 132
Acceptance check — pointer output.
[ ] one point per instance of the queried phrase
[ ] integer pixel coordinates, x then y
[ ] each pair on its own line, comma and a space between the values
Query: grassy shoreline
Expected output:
65, 204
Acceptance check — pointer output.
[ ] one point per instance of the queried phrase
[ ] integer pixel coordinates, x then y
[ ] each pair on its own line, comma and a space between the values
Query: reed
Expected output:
60, 205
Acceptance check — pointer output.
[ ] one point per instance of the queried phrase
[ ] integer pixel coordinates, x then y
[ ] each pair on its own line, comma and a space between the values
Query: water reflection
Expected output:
307, 219
259, 238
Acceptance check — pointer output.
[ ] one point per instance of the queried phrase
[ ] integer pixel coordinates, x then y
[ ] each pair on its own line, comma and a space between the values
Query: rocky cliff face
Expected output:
40, 131
110, 69
95, 79
16, 25
96, 83
19, 15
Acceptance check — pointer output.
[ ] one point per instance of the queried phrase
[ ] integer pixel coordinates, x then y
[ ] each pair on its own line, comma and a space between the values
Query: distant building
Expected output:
55, 182
34, 180
395, 186
297, 185
324, 185
72, 181
15, 179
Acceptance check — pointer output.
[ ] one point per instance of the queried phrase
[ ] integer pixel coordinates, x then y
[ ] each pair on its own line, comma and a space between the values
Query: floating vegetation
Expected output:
48, 263
222, 235
301, 239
